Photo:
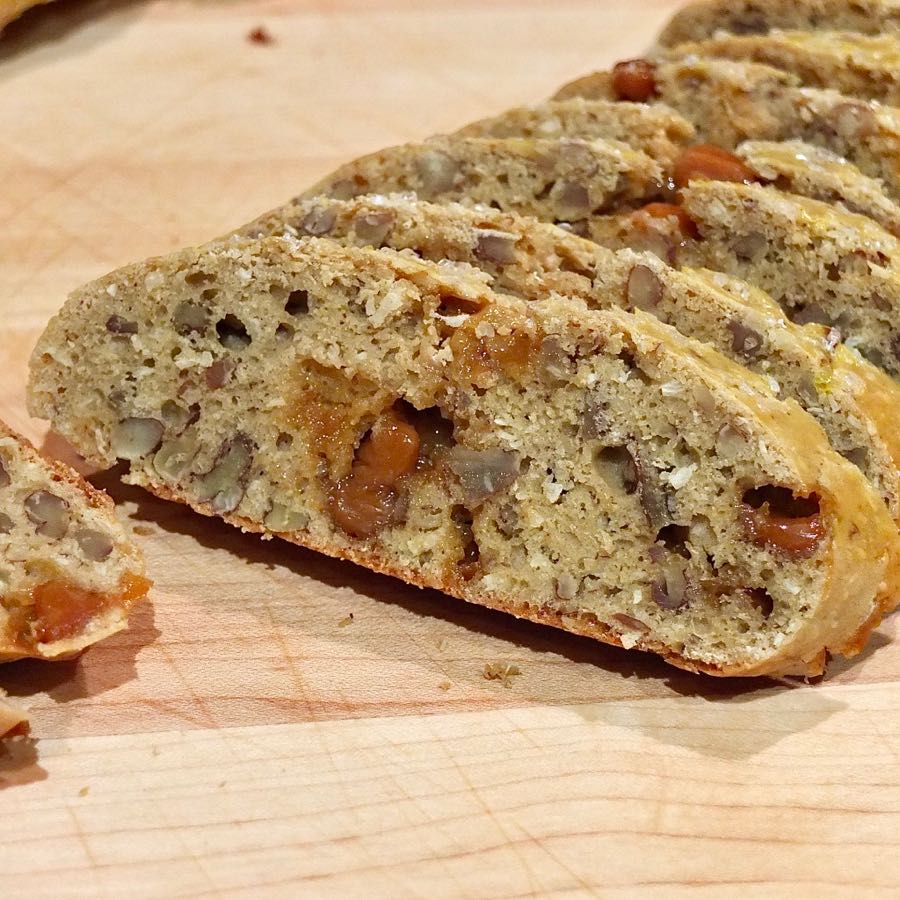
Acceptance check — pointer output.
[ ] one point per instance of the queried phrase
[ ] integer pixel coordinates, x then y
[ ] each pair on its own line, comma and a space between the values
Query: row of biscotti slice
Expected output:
595, 470
820, 263
68, 572
729, 102
854, 402
837, 266
793, 166
698, 21
866, 66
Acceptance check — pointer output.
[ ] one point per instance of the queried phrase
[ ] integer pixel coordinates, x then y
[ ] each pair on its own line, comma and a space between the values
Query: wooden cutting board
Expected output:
246, 737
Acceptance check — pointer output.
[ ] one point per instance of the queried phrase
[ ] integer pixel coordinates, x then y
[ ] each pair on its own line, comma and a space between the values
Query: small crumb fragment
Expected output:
222, 784
260, 35
347, 620
445, 685
502, 672
84, 792
143, 530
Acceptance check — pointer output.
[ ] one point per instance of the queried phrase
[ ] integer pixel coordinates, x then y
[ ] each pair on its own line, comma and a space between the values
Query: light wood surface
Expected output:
242, 738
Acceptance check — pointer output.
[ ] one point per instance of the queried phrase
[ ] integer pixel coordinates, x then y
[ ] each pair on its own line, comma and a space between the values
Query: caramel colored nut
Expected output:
773, 517
49, 512
174, 458
635, 80
853, 121
136, 437
711, 163
686, 224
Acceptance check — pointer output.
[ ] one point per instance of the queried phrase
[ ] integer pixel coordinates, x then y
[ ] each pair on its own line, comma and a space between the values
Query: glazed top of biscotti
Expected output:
864, 52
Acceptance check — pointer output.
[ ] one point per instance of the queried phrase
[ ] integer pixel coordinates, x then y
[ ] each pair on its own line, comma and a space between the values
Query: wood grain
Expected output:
242, 738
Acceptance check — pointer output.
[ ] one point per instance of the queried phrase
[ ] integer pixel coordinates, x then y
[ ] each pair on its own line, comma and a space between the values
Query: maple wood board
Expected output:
245, 737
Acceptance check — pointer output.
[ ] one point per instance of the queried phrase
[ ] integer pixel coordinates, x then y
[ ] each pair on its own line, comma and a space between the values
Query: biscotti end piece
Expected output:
592, 470
866, 66
69, 572
13, 720
656, 130
566, 180
699, 21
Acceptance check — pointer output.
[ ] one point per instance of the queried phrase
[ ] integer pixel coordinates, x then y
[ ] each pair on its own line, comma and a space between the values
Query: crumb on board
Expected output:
502, 672
84, 792
260, 35
445, 685
347, 620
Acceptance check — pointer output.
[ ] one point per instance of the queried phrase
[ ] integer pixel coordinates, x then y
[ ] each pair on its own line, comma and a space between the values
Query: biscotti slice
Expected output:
594, 470
13, 721
68, 572
698, 21
656, 130
853, 401
800, 168
561, 181
820, 263
866, 66
729, 102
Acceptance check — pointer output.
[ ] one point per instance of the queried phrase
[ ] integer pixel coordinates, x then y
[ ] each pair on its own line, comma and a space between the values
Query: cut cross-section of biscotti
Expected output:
819, 262
800, 168
729, 102
698, 21
13, 720
562, 181
68, 572
865, 66
656, 130
853, 401
595, 470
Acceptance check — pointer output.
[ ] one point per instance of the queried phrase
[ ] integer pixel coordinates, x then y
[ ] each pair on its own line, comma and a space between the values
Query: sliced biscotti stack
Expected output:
853, 401
656, 130
68, 572
800, 168
819, 262
594, 470
859, 65
560, 181
729, 102
698, 21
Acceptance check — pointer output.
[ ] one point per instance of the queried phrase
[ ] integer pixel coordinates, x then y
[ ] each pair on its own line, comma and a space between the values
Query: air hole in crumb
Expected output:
209, 294
469, 565
149, 363
232, 333
762, 601
284, 332
782, 502
451, 305
618, 468
297, 303
675, 538
284, 440
196, 278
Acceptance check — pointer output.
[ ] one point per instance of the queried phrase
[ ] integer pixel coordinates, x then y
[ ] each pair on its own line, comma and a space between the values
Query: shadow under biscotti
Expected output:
598, 682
